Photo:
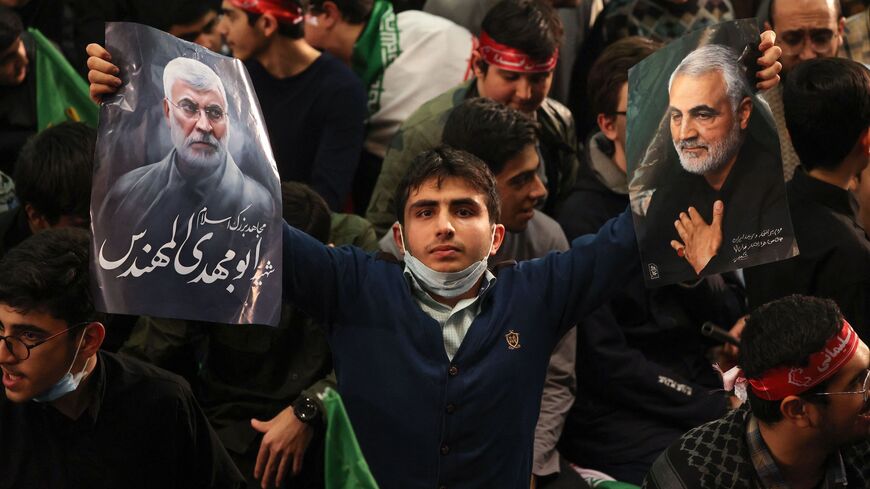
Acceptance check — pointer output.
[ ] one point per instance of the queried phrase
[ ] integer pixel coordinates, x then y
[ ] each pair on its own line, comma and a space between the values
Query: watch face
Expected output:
306, 410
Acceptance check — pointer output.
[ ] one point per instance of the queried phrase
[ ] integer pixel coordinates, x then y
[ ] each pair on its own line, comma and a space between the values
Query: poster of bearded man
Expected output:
704, 162
186, 202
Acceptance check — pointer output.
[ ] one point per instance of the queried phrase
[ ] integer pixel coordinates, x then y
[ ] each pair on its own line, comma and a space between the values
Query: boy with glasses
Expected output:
74, 416
805, 374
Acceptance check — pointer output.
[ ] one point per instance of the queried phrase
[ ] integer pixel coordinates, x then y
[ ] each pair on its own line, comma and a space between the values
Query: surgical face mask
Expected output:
446, 284
68, 383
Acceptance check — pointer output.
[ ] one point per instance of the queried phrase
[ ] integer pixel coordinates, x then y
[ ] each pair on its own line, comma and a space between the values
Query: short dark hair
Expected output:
531, 26
54, 170
493, 132
352, 11
610, 71
445, 162
784, 333
48, 273
10, 27
305, 210
827, 107
293, 31
838, 5
189, 11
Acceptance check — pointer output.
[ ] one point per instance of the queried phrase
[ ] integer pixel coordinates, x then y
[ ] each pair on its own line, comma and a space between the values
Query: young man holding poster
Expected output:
427, 392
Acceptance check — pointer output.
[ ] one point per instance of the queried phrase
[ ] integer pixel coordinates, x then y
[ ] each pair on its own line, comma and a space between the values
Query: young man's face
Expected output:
317, 32
704, 127
245, 40
520, 189
25, 379
13, 64
204, 31
806, 29
845, 419
448, 227
521, 91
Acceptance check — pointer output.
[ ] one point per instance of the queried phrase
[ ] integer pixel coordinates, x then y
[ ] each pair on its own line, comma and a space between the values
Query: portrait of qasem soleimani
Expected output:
179, 223
711, 196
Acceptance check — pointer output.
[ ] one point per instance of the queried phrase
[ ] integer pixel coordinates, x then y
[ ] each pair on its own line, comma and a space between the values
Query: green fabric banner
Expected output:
376, 48
345, 466
597, 484
61, 94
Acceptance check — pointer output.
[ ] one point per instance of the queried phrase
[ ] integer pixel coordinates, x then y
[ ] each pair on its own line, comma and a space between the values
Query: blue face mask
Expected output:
68, 383
445, 284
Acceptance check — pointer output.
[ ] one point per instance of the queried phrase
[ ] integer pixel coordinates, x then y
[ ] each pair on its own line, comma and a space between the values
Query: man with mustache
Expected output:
726, 185
198, 178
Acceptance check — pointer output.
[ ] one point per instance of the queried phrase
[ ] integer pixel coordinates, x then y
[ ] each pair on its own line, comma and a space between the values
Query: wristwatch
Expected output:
306, 409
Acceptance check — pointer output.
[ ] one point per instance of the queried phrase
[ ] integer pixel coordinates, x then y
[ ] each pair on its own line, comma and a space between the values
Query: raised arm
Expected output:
317, 278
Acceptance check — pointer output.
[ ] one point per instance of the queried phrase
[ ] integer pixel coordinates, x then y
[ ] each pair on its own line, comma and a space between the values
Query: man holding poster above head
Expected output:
193, 224
721, 188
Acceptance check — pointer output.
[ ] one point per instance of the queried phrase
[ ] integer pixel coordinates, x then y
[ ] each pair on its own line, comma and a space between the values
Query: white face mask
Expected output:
445, 284
68, 383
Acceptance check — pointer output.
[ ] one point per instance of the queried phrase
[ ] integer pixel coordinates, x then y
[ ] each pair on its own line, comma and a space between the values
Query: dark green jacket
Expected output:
422, 131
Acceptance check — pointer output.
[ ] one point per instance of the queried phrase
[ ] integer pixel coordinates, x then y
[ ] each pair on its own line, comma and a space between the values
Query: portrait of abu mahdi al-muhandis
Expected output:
186, 199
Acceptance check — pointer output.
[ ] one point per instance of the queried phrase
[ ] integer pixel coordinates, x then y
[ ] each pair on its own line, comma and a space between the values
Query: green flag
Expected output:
61, 94
599, 484
345, 466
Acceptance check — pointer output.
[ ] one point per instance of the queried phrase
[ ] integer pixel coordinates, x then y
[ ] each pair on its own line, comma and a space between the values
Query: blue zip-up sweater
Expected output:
423, 421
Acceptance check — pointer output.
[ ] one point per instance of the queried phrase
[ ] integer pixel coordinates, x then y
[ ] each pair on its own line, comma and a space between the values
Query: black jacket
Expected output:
834, 260
642, 375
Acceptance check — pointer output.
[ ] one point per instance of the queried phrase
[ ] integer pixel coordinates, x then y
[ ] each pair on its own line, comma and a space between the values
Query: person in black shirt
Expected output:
53, 183
314, 106
17, 88
642, 363
74, 416
827, 111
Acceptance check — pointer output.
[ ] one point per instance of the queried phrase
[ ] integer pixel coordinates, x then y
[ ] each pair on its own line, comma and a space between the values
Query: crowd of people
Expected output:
459, 260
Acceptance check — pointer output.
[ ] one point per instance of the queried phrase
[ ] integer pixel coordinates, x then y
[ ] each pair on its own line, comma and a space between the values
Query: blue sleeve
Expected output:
319, 279
575, 283
340, 144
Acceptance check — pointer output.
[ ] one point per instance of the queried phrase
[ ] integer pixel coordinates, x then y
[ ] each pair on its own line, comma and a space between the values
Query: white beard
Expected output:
197, 161
718, 153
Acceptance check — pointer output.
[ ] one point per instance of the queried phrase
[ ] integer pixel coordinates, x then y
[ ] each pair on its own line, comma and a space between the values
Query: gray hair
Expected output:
195, 73
716, 57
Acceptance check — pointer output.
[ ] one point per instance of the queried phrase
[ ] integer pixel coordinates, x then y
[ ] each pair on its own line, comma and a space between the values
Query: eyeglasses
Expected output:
864, 392
192, 110
21, 350
792, 42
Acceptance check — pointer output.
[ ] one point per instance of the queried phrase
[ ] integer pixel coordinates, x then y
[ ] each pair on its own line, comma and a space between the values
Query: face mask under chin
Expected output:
446, 284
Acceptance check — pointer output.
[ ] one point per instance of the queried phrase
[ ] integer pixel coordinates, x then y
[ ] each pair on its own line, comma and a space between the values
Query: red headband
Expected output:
780, 382
510, 59
285, 11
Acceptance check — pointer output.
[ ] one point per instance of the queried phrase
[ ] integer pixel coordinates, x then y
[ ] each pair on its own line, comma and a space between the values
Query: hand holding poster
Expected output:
707, 188
186, 198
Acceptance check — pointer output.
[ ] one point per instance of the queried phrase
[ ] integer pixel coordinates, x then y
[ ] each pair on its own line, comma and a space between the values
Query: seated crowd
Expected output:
458, 262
